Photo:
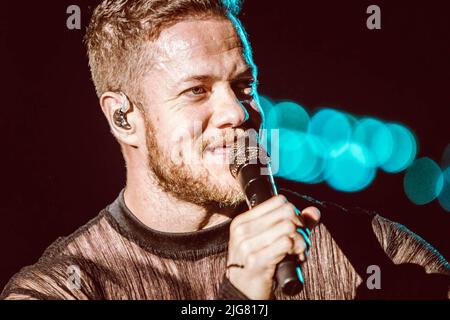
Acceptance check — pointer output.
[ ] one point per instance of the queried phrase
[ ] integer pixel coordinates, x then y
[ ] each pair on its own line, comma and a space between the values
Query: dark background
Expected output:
60, 165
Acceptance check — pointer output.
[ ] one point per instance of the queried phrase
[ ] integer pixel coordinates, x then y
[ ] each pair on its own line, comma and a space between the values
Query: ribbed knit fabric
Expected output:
120, 258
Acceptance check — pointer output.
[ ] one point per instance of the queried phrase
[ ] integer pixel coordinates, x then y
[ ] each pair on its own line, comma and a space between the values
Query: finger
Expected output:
264, 239
262, 208
302, 257
310, 216
270, 256
271, 218
301, 242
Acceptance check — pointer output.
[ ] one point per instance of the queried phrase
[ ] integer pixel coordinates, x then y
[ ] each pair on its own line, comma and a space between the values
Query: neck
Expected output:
162, 211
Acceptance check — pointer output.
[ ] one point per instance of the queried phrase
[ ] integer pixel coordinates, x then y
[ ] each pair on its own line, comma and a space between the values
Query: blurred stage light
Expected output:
376, 138
347, 167
331, 127
289, 115
299, 157
445, 161
265, 104
404, 149
346, 151
444, 196
423, 181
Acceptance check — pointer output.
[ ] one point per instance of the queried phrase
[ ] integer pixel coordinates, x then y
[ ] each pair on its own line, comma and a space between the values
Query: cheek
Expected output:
178, 130
191, 125
182, 137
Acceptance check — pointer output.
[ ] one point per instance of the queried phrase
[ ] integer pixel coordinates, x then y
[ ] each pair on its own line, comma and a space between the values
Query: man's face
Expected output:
193, 111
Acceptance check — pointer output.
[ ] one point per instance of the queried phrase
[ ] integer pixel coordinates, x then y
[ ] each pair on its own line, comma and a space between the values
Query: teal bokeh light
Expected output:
423, 181
339, 148
289, 142
289, 115
404, 149
347, 168
331, 127
445, 162
300, 157
376, 138
444, 196
265, 105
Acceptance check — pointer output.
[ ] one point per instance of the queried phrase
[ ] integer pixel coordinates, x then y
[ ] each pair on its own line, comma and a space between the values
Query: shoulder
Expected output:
404, 246
65, 270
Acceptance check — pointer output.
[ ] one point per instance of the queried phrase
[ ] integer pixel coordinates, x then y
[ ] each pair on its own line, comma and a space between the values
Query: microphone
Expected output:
256, 180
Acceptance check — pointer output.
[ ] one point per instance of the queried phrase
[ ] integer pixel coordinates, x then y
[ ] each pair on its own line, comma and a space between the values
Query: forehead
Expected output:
196, 44
190, 38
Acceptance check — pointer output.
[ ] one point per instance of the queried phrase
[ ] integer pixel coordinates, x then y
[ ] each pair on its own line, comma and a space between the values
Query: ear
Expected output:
111, 103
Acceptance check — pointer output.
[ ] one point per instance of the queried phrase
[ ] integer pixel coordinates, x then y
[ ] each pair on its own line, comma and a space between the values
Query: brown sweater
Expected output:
120, 258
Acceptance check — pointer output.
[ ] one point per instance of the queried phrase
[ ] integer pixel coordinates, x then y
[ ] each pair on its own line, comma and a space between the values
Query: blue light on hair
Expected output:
233, 6
247, 49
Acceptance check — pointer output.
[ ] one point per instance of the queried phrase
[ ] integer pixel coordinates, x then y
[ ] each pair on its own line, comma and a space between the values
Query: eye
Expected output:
244, 89
197, 91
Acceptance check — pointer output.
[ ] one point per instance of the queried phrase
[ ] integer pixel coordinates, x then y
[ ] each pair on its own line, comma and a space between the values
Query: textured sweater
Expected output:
115, 256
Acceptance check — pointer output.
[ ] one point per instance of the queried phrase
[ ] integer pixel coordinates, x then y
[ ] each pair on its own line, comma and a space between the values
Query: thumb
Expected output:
310, 216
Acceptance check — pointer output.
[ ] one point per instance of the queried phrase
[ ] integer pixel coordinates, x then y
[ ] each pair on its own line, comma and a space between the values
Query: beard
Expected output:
182, 182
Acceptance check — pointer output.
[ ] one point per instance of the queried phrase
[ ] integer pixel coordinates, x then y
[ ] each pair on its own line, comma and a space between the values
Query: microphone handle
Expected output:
259, 188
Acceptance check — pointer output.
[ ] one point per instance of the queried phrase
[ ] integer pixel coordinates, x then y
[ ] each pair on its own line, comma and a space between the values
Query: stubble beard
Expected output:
180, 181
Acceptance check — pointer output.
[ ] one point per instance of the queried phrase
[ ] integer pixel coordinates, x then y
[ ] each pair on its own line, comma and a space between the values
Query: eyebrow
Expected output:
246, 74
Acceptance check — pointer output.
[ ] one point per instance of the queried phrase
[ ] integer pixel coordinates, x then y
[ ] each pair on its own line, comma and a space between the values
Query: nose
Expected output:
228, 110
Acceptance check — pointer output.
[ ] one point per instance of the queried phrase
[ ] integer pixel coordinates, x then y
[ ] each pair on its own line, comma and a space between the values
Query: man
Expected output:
177, 85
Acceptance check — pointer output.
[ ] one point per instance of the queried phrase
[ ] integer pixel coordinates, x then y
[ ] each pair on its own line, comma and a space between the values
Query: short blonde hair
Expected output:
120, 30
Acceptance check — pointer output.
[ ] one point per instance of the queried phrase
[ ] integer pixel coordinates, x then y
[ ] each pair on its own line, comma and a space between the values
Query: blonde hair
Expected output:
120, 31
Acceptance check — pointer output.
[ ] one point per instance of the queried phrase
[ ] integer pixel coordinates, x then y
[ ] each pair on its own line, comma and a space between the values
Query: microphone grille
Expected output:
246, 150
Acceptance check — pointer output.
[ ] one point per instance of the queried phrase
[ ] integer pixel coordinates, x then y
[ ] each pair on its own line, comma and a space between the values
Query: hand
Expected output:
260, 238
